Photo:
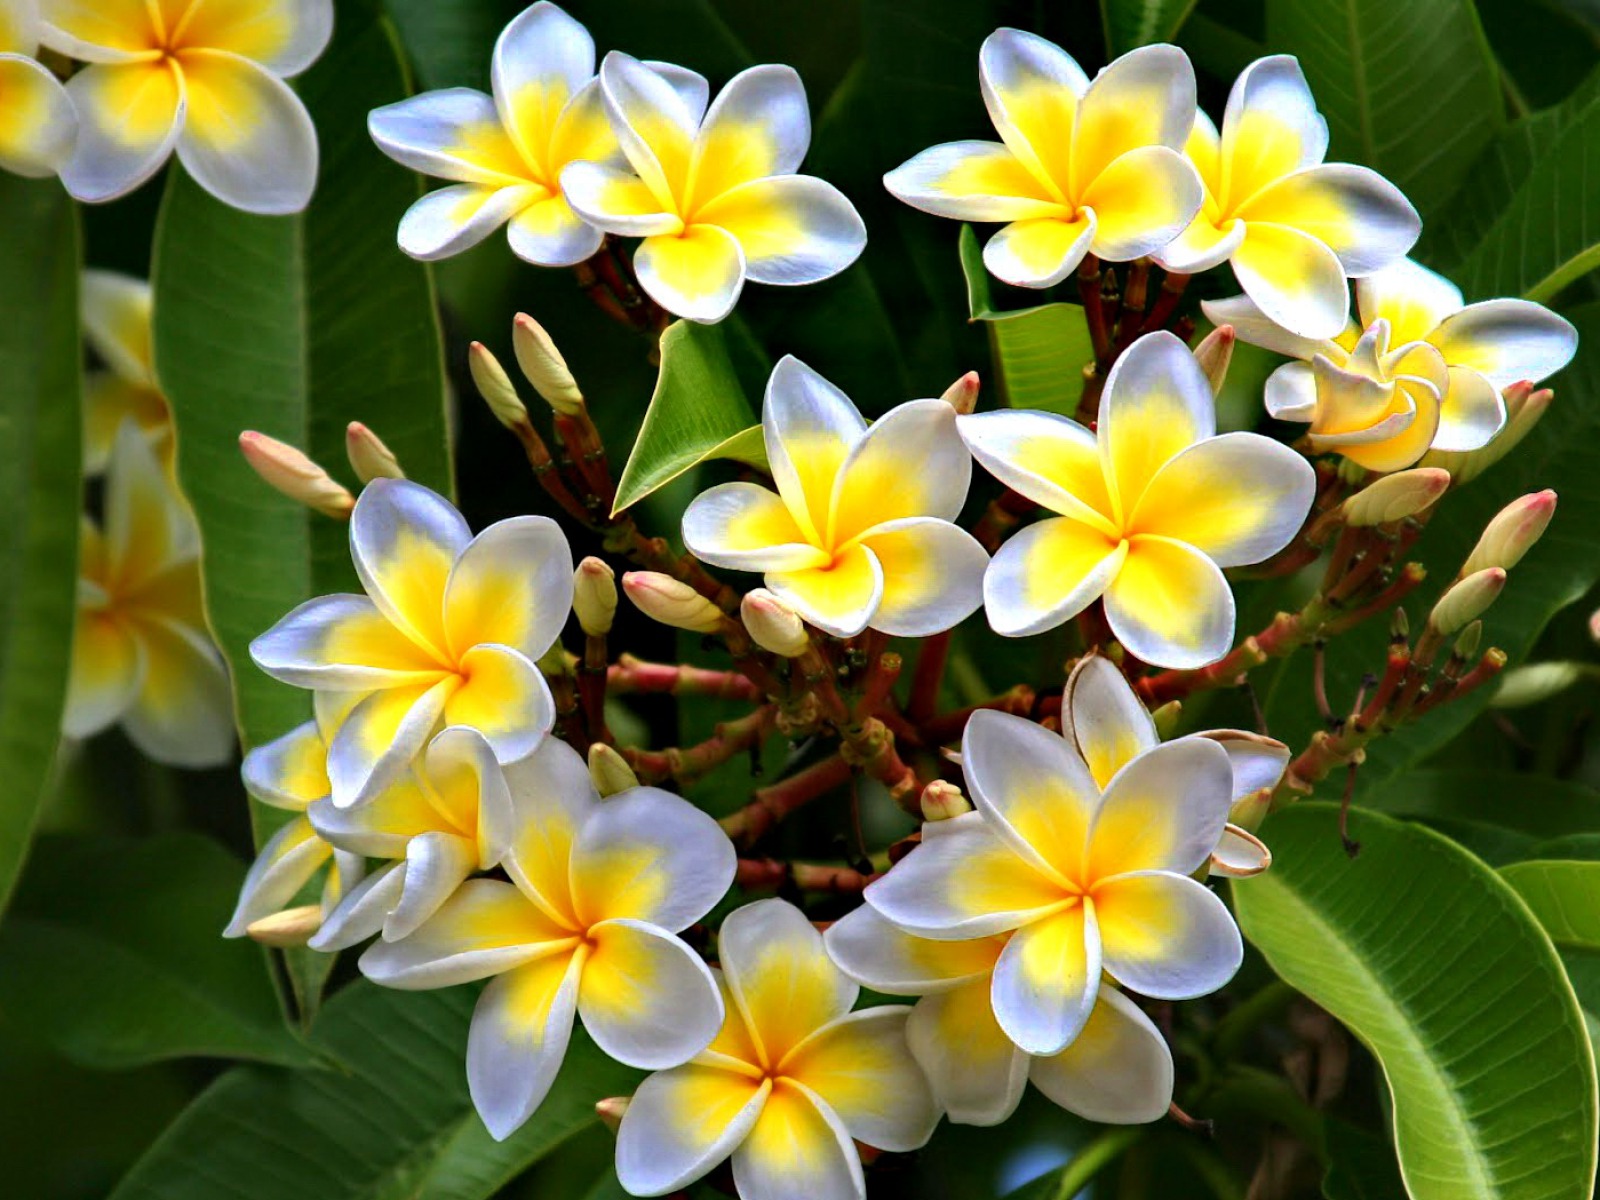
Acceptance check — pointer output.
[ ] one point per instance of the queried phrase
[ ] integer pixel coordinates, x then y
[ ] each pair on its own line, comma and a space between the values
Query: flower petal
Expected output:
911, 462
1163, 811
381, 736
360, 914
888, 959
449, 220
1141, 201
1257, 761
1254, 326
1157, 402
97, 30
976, 1071
749, 528
1031, 88
1471, 412
1357, 213
1507, 341
285, 864
1170, 605
284, 36
810, 427
1103, 717
1239, 854
840, 598
288, 772
1048, 574
691, 86
1271, 128
1166, 936
1290, 393
646, 998
1294, 279
798, 1150
653, 124
932, 575
973, 181
1118, 1071
697, 274
129, 118
552, 798
862, 1069
504, 697
404, 540
1413, 299
548, 233
1144, 98
1394, 442
1048, 458
1039, 252
464, 779
617, 201
454, 133
437, 863
541, 60
1045, 981
40, 124
782, 980
518, 1039
107, 674
183, 713
341, 643
116, 312
511, 585
757, 126
681, 1123
383, 826
793, 229
1201, 246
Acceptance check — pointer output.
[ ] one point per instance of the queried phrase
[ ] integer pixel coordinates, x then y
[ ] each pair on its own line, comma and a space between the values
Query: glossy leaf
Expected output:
40, 462
1441, 971
1564, 894
1361, 1165
1133, 23
1474, 807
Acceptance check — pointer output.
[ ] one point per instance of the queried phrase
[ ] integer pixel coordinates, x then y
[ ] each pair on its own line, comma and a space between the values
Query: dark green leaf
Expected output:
1133, 23
1361, 1165
1476, 808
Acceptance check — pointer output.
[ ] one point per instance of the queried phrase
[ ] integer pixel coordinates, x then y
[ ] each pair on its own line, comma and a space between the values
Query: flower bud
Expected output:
1522, 686
941, 801
610, 771
542, 363
1524, 408
773, 625
495, 386
1512, 532
594, 596
296, 476
1467, 600
610, 1111
369, 458
1166, 718
1214, 353
670, 601
1594, 625
962, 395
291, 927
556, 662
1396, 497
1467, 643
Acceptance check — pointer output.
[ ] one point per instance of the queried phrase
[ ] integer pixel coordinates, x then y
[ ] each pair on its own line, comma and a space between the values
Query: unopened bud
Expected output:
542, 363
1399, 626
941, 801
1214, 353
1467, 600
962, 395
594, 596
671, 601
556, 661
369, 458
296, 476
495, 386
610, 1111
1467, 644
1396, 497
291, 927
1535, 682
1524, 408
1512, 532
1166, 718
773, 625
610, 771
1594, 625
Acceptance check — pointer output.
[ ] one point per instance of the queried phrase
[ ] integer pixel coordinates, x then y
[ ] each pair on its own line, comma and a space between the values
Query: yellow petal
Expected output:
1170, 605
840, 598
780, 975
107, 672
1141, 201
696, 274
1157, 403
120, 26
798, 1147
1039, 252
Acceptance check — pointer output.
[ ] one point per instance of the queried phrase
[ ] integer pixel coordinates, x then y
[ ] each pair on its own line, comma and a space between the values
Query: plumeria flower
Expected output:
291, 773
1421, 370
449, 817
1085, 880
141, 656
449, 631
117, 326
1117, 1070
37, 122
195, 75
505, 152
1292, 226
586, 926
793, 1079
714, 193
1084, 168
1151, 508
859, 533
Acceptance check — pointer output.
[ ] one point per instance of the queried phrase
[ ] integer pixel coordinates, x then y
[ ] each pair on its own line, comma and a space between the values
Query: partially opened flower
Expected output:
714, 193
141, 656
37, 122
1088, 880
199, 76
1420, 371
1084, 168
586, 927
117, 326
449, 817
859, 533
1151, 508
449, 632
1117, 1070
791, 1082
1292, 226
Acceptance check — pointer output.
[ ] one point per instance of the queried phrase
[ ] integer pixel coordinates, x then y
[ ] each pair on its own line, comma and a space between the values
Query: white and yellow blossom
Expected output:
1151, 508
1293, 227
117, 326
586, 927
859, 533
448, 632
713, 192
791, 1082
204, 77
1420, 370
37, 122
1084, 168
141, 656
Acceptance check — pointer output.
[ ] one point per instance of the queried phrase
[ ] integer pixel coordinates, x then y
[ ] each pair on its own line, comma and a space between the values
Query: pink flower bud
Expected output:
671, 601
962, 395
1512, 532
1467, 600
1396, 497
542, 363
369, 458
941, 801
296, 476
1214, 353
495, 386
773, 625
594, 596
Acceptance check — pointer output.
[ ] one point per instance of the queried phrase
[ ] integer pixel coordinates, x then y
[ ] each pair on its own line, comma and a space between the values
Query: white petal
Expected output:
552, 798
436, 864
1257, 761
691, 86
542, 46
1031, 88
1291, 392
1413, 299
1239, 854
616, 200
1358, 214
1296, 280
780, 976
1274, 90
183, 713
380, 737
452, 133
511, 586
1030, 784
1471, 412
290, 771
462, 758
646, 998
518, 1039
505, 697
932, 575
118, 148
1048, 458
862, 1068
272, 168
1144, 98
887, 959
1254, 326
1507, 341
1201, 246
1157, 402
1118, 1072
1166, 936
404, 540
549, 234
1045, 981
757, 126
798, 1150
793, 229
361, 912
910, 463
1170, 605
653, 124
747, 527
107, 673
841, 598
449, 220
37, 135
1041, 252
976, 1071
671, 1136
1104, 718
1163, 811
316, 644
810, 427
697, 274
285, 864
972, 181
1047, 574
116, 311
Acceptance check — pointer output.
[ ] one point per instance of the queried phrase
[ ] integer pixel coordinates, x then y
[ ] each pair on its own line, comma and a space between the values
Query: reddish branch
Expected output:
630, 675
770, 874
772, 804
686, 764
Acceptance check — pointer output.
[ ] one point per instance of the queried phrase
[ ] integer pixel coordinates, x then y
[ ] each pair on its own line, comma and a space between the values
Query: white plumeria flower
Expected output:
291, 773
1420, 371
1293, 227
1085, 168
1152, 507
859, 533
449, 817
1117, 1070
205, 78
586, 926
38, 124
141, 655
714, 193
450, 630
116, 312
505, 152
1087, 880
790, 1080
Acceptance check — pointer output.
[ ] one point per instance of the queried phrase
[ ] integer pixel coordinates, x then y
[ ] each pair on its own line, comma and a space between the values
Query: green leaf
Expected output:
393, 1120
1361, 1165
698, 412
1409, 89
39, 494
1130, 24
1564, 895
114, 955
1475, 807
1441, 971
1039, 352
